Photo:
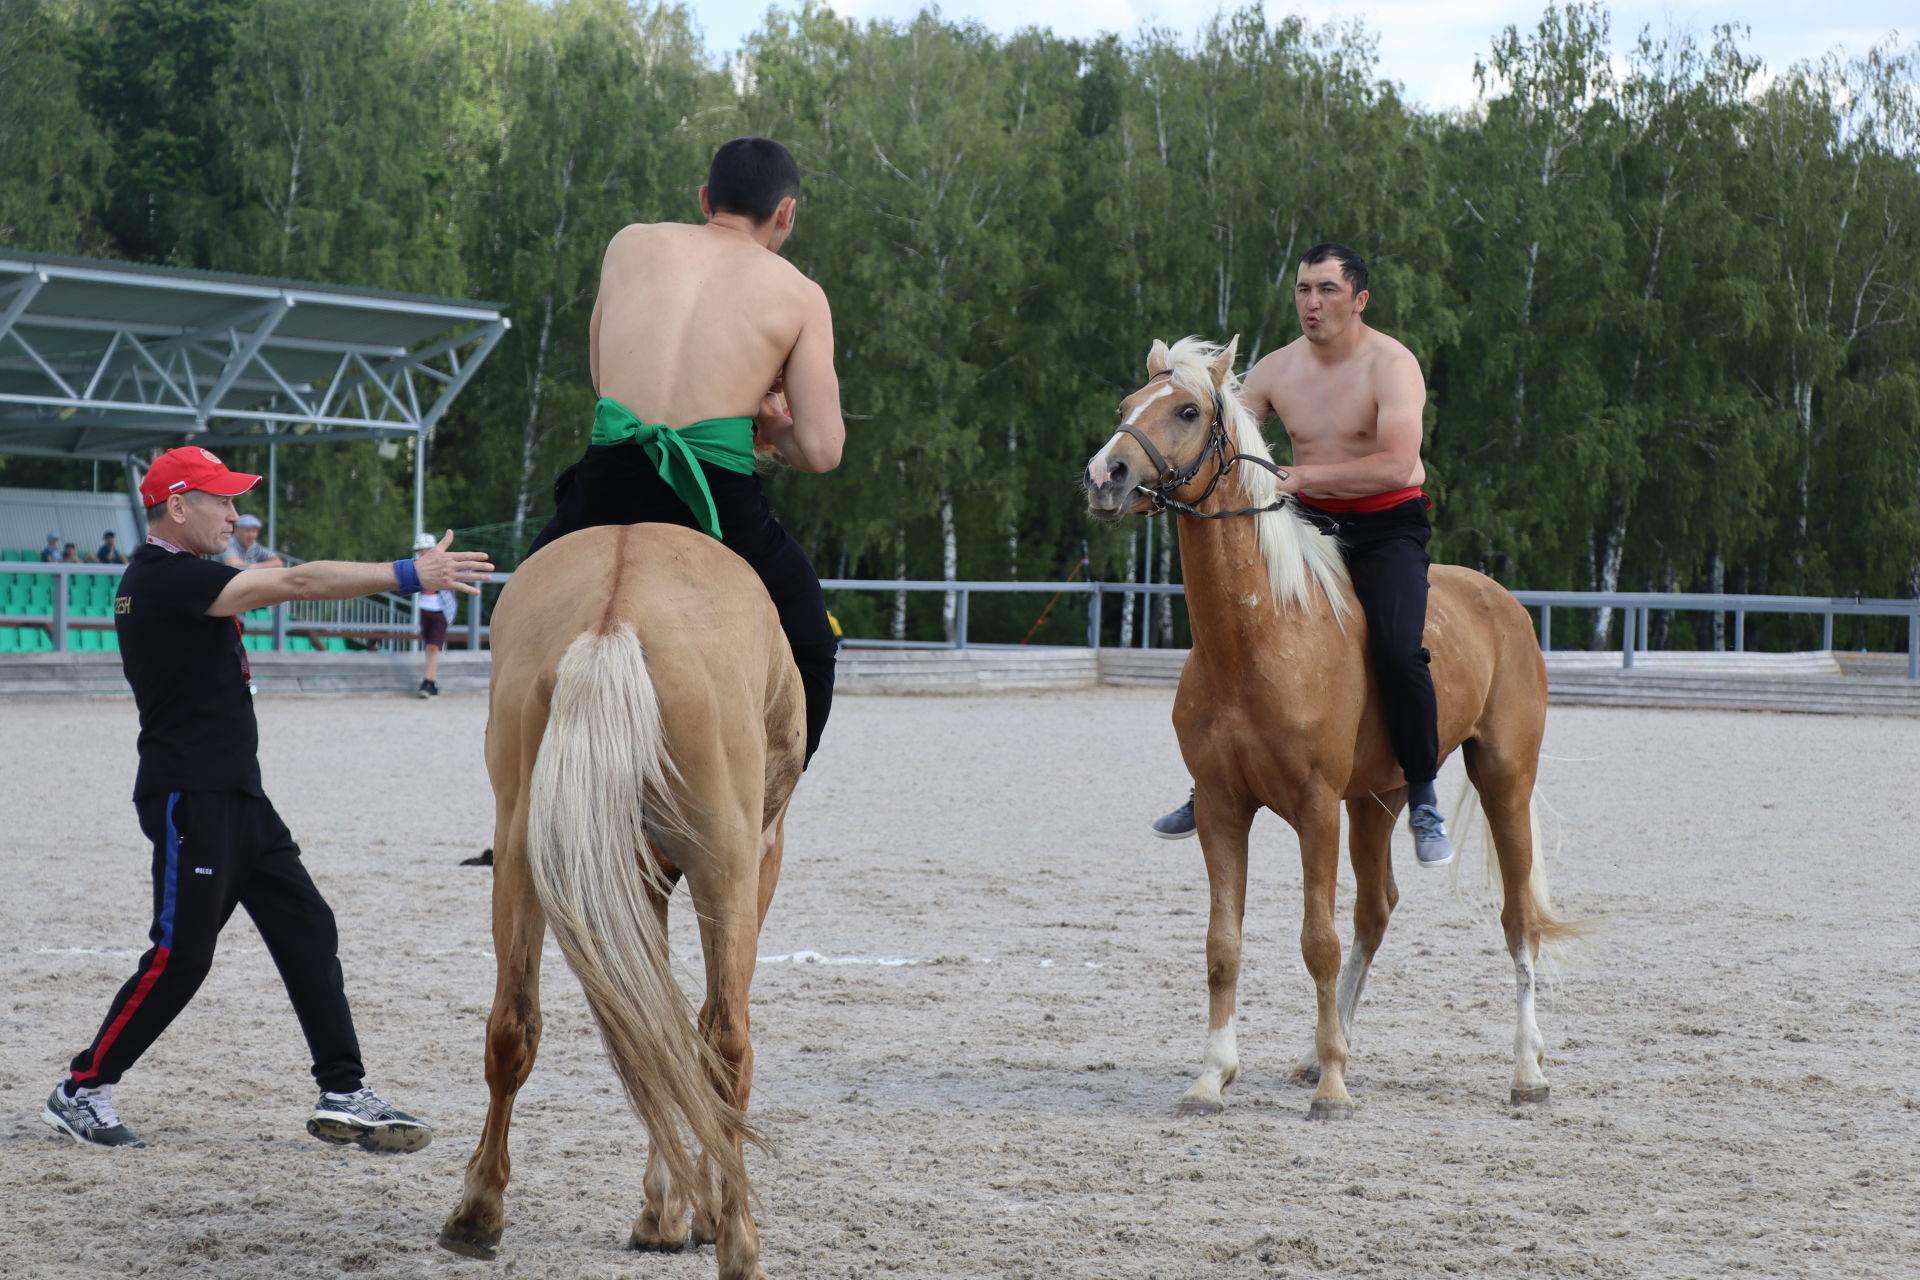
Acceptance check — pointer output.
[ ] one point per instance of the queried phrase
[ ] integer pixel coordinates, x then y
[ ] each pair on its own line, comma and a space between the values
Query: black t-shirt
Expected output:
188, 672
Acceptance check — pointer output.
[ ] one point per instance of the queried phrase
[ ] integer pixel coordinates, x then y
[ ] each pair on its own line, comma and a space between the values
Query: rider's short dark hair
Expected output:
1352, 265
751, 176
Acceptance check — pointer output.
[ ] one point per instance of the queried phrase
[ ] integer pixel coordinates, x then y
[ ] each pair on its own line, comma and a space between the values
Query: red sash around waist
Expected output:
1372, 502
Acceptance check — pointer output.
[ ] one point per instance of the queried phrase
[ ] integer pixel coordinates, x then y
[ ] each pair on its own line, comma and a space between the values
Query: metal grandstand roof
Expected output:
105, 360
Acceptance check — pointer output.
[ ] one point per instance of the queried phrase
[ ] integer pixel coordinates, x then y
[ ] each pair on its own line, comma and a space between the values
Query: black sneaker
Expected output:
362, 1117
1177, 825
88, 1117
433, 688
426, 689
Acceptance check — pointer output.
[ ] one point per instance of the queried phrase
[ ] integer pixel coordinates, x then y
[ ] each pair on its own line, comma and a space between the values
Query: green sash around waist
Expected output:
677, 454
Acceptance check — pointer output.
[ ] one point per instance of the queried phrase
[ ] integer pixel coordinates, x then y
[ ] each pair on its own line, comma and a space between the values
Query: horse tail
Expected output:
601, 781
1556, 931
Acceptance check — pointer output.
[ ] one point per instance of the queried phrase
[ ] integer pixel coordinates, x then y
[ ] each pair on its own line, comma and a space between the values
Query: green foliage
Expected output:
1665, 296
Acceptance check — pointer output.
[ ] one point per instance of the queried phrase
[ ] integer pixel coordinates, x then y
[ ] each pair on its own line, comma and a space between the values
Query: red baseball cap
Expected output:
191, 467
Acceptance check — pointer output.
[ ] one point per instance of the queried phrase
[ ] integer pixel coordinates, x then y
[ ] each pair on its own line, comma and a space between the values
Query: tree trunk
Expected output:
898, 627
1163, 623
1717, 583
1613, 541
949, 566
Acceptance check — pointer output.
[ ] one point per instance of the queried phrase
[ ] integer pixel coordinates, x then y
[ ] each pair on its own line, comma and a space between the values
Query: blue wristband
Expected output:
408, 575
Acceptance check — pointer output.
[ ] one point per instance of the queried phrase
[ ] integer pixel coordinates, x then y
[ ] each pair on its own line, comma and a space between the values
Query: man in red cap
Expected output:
217, 843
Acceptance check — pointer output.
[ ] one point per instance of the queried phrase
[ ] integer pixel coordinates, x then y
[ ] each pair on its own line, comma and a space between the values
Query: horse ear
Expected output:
1159, 359
1222, 365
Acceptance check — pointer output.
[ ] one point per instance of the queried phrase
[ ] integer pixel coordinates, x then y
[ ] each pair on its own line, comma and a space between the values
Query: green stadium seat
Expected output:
110, 642
299, 644
9, 641
335, 644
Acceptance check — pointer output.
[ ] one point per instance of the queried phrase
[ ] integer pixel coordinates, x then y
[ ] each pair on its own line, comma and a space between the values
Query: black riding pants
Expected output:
213, 851
617, 484
1386, 554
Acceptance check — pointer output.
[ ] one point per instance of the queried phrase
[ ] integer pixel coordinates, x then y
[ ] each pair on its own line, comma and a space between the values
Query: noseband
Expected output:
1169, 478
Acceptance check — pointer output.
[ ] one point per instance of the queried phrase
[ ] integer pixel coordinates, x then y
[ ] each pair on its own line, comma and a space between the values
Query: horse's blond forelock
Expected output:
1304, 567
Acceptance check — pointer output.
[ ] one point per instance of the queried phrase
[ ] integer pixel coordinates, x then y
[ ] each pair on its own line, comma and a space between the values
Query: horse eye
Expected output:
1190, 413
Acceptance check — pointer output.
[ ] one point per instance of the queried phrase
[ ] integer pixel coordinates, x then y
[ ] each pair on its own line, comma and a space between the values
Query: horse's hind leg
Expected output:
1370, 822
1506, 797
729, 900
706, 1222
1223, 827
513, 1036
662, 1224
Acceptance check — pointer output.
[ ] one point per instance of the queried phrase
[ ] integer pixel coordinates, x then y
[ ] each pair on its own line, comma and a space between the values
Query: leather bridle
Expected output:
1169, 477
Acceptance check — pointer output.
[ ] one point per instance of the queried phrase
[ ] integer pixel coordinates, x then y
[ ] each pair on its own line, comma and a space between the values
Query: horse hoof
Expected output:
1330, 1109
1305, 1075
485, 1247
1522, 1097
637, 1245
1200, 1107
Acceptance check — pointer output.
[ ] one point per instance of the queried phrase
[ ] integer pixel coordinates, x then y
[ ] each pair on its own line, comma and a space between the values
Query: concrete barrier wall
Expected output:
1821, 682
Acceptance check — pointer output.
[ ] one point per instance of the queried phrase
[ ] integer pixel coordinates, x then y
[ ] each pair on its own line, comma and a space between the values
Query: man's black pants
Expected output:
1386, 554
213, 851
618, 484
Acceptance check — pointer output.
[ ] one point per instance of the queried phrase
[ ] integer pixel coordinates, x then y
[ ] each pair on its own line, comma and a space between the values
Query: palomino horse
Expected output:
1278, 708
645, 722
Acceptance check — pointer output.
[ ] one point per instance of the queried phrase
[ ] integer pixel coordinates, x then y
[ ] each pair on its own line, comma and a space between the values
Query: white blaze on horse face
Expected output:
1097, 469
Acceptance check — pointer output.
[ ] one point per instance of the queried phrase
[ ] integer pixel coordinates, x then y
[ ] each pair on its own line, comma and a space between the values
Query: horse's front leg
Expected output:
513, 1037
1370, 822
1317, 822
1223, 823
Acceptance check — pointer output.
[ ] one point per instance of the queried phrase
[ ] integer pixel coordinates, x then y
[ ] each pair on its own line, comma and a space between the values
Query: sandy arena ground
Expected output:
976, 1074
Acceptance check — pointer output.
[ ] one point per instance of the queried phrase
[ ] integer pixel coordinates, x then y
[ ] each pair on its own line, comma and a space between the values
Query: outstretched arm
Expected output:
439, 570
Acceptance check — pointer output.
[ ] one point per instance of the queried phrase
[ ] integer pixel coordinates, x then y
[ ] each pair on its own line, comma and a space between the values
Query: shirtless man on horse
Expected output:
704, 342
1351, 398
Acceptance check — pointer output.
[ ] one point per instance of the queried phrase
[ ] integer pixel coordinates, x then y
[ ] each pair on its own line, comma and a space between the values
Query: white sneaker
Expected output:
363, 1118
88, 1117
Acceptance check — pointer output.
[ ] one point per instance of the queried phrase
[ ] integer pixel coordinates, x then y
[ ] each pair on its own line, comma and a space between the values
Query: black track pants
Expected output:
617, 484
213, 851
1386, 554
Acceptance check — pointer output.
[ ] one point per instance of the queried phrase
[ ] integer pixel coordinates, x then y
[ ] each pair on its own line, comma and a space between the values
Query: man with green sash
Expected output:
702, 339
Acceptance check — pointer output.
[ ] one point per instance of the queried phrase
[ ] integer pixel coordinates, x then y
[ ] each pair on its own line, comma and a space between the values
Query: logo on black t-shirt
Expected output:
123, 604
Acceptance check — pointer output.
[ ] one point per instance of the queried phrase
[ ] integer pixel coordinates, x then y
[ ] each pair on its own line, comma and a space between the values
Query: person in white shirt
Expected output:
436, 615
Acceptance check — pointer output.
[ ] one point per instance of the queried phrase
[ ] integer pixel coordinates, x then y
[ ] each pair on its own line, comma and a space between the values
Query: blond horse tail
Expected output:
601, 781
1556, 931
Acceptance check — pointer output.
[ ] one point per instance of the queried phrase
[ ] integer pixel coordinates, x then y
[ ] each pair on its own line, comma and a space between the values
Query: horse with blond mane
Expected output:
645, 722
1278, 709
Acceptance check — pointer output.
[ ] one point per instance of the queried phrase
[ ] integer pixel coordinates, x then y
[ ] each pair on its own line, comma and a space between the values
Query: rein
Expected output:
1171, 478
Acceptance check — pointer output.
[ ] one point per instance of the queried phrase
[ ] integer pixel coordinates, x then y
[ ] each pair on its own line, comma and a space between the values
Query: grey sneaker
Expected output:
88, 1117
1177, 825
362, 1117
1431, 847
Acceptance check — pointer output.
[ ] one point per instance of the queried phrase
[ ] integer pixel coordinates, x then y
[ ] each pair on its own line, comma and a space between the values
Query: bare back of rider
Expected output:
705, 329
1351, 399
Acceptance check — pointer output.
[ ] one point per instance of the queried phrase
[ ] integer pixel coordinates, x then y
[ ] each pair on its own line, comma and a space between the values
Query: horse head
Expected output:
1169, 429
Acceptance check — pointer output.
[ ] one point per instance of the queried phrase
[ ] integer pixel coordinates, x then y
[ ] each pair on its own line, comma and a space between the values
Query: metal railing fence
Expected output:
1636, 608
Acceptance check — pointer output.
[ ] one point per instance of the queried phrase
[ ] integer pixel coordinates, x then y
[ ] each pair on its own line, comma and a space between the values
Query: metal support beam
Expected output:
243, 355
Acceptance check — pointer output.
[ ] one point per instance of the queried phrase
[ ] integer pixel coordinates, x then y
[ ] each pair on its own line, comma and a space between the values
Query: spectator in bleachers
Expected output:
70, 554
436, 614
109, 552
244, 550
50, 554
